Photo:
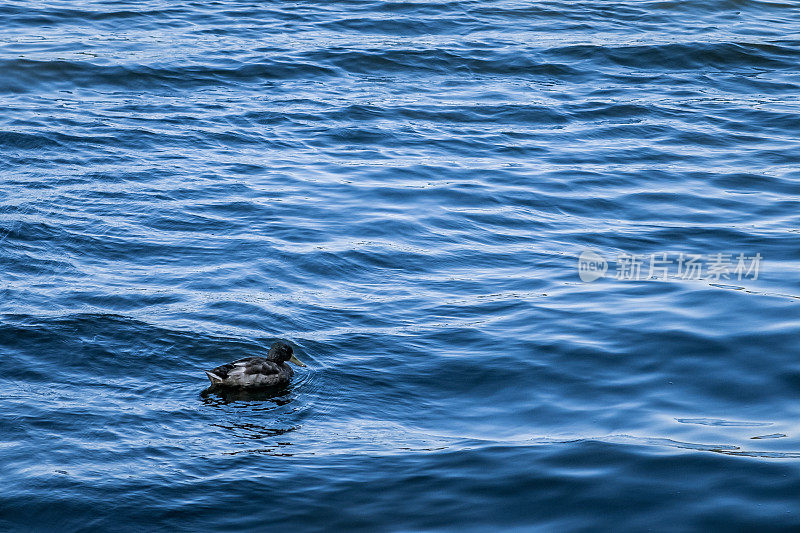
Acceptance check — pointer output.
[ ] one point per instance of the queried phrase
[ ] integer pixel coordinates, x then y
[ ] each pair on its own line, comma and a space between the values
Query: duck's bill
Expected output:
296, 361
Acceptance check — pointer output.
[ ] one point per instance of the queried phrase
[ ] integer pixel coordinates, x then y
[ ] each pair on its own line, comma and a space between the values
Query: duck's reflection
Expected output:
266, 409
255, 431
220, 396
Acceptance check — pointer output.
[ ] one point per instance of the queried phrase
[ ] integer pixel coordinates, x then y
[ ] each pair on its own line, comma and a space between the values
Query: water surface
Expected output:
401, 190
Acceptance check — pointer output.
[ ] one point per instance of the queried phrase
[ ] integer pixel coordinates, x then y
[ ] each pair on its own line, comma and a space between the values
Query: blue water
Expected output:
402, 191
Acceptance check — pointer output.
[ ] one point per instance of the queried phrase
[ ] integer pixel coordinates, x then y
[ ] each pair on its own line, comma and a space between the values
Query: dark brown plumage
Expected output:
257, 372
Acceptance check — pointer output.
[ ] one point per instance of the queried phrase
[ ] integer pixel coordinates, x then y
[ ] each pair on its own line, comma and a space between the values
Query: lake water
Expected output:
401, 190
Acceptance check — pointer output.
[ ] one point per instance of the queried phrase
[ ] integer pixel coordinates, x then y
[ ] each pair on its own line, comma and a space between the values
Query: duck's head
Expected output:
280, 352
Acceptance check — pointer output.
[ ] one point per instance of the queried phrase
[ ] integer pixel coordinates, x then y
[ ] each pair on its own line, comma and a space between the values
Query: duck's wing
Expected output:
256, 365
249, 366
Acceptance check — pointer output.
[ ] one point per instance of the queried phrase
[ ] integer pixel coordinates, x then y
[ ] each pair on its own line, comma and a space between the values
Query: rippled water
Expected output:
401, 190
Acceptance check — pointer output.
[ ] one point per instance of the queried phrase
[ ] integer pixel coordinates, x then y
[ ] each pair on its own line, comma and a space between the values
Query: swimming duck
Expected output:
257, 372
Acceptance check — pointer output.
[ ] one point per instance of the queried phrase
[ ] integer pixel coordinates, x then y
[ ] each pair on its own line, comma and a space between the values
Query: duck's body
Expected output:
257, 372
251, 372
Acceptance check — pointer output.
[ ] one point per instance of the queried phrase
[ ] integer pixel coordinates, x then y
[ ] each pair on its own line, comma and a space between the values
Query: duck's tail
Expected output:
215, 379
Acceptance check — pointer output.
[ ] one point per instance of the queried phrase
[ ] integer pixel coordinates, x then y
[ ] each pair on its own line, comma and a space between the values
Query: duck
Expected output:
257, 372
